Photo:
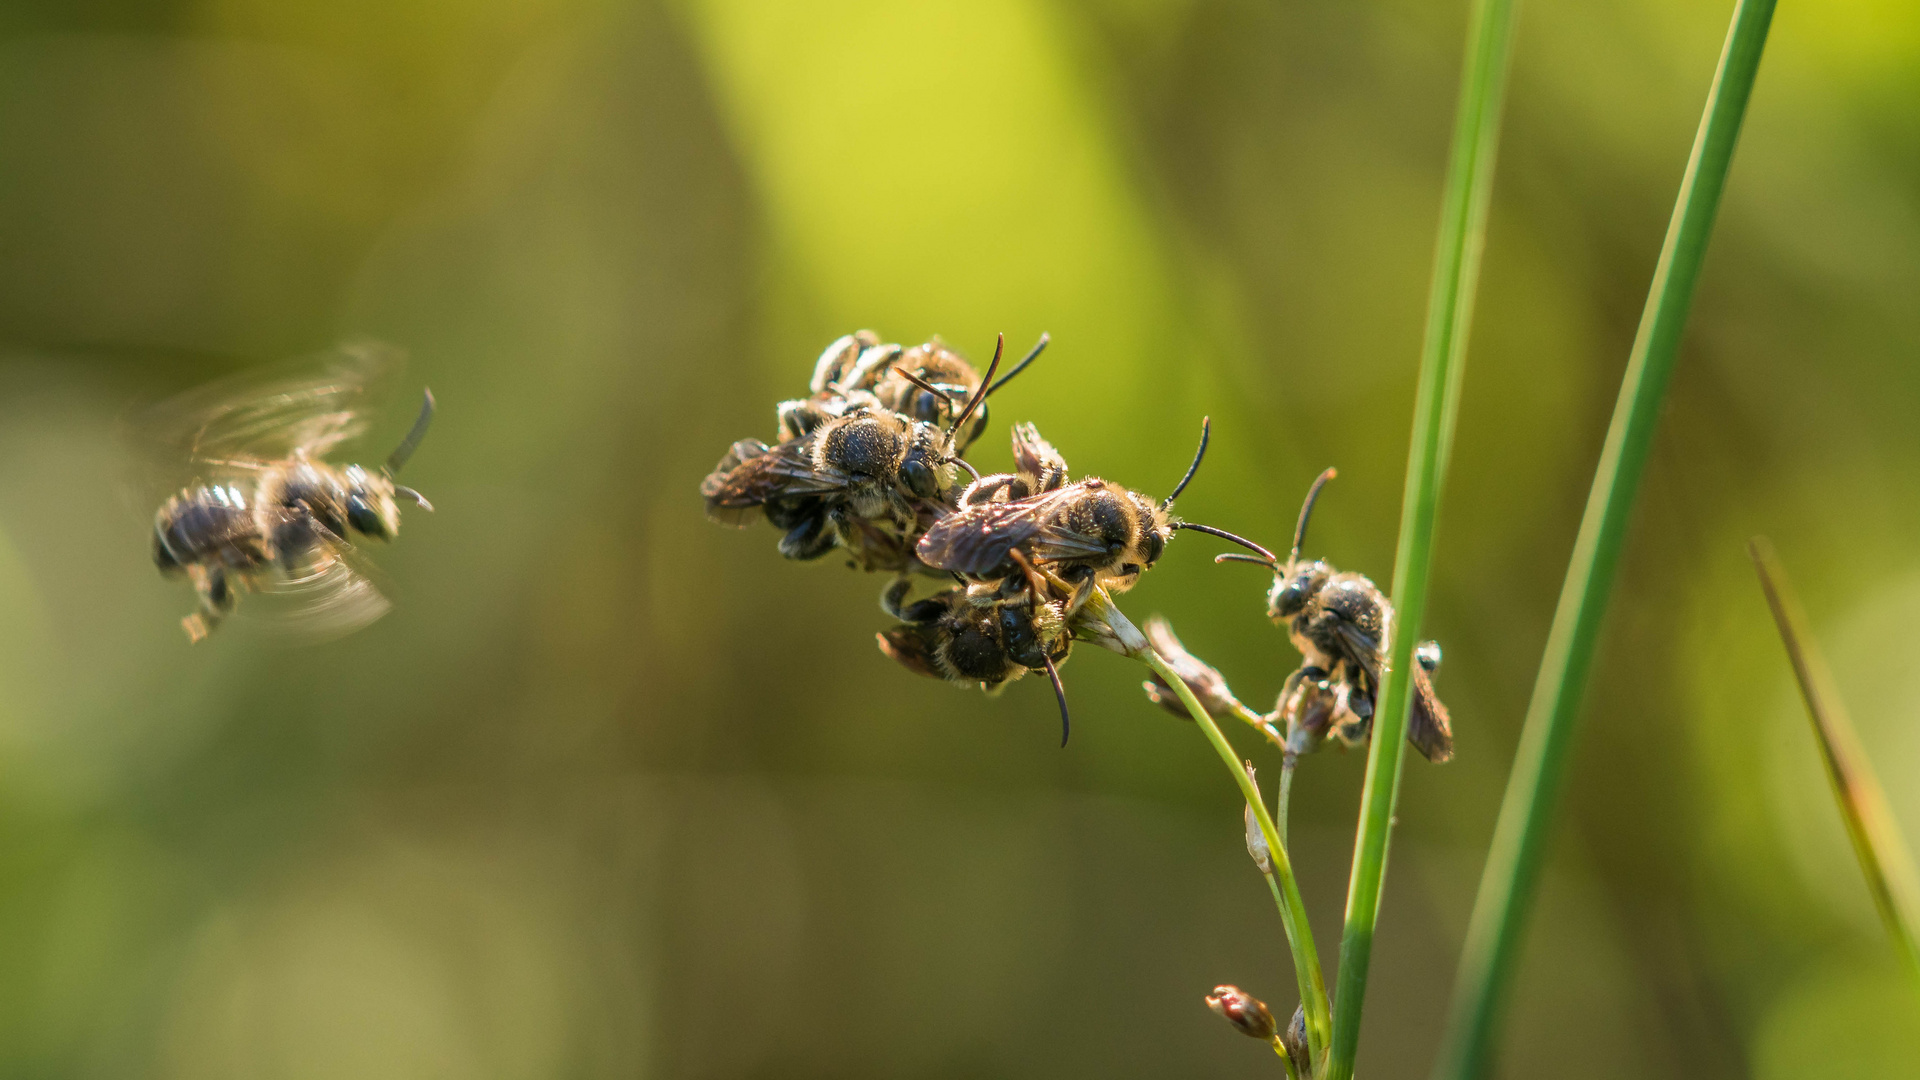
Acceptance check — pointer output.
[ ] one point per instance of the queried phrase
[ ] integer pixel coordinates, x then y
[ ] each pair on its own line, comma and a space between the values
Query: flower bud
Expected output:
1105, 625
1208, 685
1294, 1042
1248, 1014
1256, 840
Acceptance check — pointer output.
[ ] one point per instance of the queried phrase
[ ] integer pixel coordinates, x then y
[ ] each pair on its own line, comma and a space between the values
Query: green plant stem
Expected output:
1293, 909
1513, 862
1884, 856
1456, 276
1285, 799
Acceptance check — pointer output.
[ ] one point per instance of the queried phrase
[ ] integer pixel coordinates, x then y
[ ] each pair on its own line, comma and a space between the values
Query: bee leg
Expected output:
808, 540
919, 613
1308, 705
1353, 728
217, 598
892, 596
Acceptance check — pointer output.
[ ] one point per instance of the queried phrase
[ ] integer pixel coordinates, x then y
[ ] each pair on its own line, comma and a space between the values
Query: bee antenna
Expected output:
967, 465
1032, 355
1266, 557
922, 383
1306, 511
1060, 693
1234, 556
985, 385
419, 499
408, 445
1206, 428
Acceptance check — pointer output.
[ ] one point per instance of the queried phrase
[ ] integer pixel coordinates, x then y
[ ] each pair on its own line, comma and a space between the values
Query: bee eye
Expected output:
920, 479
926, 407
1289, 600
362, 517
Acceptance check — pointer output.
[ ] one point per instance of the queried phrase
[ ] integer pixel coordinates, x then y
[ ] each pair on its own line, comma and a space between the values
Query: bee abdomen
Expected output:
212, 526
1104, 514
863, 447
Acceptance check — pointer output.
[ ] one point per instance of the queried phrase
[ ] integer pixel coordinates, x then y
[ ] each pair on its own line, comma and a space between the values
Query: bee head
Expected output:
371, 509
926, 470
1293, 588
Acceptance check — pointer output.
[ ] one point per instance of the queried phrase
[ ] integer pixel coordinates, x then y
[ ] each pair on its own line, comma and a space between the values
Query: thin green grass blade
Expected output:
1456, 278
1884, 856
1519, 838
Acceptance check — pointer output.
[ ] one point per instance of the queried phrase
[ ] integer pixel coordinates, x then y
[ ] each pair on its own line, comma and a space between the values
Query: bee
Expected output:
987, 633
267, 513
870, 480
1343, 625
1087, 530
1038, 468
925, 383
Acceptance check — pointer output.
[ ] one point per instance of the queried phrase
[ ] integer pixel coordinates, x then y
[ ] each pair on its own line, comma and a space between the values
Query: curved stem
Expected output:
1293, 909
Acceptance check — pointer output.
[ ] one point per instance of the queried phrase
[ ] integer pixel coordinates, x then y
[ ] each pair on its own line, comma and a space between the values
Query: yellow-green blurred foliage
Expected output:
616, 792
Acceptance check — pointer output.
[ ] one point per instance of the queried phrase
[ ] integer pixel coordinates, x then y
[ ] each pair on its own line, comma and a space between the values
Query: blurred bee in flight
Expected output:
1343, 625
265, 512
852, 470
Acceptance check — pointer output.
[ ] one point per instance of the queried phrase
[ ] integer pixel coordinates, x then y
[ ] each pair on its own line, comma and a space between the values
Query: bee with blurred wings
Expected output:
262, 510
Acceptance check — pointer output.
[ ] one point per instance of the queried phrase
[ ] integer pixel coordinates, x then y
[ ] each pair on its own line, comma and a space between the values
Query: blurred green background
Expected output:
616, 792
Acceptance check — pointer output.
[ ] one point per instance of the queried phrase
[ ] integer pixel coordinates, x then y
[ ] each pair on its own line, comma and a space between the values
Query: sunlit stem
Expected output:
1293, 909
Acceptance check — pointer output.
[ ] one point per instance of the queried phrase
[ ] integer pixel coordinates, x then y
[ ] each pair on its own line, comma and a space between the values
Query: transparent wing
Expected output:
331, 597
234, 425
977, 538
752, 473
1357, 647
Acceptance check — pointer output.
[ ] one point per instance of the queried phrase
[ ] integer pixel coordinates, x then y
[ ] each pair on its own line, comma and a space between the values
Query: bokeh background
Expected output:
616, 792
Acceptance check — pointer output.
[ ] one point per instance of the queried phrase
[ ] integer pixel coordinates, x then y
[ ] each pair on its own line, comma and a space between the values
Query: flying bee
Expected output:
1090, 529
870, 480
987, 633
1343, 625
267, 513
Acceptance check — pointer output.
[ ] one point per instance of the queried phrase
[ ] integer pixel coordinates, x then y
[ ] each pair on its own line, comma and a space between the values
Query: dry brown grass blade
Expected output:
1883, 853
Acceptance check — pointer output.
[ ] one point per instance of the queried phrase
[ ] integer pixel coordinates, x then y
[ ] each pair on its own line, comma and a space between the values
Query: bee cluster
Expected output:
872, 463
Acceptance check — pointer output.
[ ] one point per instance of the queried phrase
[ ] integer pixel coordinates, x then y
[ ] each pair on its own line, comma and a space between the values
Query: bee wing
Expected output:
913, 647
331, 597
976, 540
1357, 647
1429, 727
752, 472
235, 425
1056, 543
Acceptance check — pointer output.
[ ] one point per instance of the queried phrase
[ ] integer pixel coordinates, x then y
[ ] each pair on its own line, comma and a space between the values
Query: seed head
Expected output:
1208, 685
1256, 840
1248, 1014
